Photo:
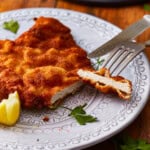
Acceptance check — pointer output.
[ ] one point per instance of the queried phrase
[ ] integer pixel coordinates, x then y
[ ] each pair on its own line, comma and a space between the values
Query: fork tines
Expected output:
121, 55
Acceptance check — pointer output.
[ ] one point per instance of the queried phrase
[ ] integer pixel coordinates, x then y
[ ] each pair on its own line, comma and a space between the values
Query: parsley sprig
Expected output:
146, 7
11, 25
98, 63
80, 115
134, 144
128, 143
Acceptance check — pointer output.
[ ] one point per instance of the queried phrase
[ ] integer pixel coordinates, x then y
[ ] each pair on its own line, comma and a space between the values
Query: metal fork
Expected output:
121, 55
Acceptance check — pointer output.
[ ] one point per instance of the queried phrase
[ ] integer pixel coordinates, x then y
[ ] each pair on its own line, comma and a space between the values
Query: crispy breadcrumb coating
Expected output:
41, 62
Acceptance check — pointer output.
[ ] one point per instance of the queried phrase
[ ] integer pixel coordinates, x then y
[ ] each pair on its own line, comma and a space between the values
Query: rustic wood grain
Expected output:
72, 6
6, 5
121, 17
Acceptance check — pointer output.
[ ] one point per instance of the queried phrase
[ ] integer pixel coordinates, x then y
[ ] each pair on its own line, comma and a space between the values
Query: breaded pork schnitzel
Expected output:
41, 64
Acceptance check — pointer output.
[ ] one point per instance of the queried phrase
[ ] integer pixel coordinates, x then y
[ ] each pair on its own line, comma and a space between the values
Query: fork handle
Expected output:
128, 34
136, 29
147, 18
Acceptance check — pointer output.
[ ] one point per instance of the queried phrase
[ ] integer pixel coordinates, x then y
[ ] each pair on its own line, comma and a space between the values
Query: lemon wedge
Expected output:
10, 109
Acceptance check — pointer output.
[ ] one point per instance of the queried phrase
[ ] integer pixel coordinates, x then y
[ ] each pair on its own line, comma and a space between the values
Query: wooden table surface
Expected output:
121, 17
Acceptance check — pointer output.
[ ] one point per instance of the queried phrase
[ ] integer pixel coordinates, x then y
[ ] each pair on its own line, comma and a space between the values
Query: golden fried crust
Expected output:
40, 63
47, 33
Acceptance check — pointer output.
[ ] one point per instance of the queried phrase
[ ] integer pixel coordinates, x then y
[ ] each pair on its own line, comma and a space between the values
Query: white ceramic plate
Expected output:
61, 131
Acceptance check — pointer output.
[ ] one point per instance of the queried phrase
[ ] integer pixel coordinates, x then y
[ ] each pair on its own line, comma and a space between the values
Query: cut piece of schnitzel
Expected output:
41, 64
103, 81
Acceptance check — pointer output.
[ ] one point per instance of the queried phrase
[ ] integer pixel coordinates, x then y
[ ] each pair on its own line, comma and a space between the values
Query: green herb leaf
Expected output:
146, 7
80, 115
129, 143
11, 25
98, 63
